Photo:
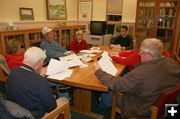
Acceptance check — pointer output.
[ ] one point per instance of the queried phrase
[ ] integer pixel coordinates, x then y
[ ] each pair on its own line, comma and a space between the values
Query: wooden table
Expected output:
85, 81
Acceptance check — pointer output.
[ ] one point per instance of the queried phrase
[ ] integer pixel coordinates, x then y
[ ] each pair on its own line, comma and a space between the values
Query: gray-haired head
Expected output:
34, 54
153, 46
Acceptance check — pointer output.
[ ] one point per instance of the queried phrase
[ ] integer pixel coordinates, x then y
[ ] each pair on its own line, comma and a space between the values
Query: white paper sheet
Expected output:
71, 60
61, 75
105, 54
107, 66
56, 66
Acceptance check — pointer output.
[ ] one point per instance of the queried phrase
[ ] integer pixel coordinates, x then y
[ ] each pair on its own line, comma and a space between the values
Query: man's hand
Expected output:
43, 71
69, 53
96, 66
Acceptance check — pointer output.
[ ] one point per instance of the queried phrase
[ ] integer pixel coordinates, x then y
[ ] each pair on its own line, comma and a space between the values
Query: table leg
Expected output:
82, 103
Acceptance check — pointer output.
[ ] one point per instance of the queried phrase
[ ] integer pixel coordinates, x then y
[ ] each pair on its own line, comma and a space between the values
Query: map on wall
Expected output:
85, 11
56, 9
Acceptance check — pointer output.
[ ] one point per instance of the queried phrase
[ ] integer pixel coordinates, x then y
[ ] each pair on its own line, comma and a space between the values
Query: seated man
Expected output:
52, 48
123, 39
142, 86
27, 88
79, 43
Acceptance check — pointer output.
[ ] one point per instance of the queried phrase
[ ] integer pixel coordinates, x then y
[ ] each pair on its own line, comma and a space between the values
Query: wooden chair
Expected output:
177, 57
4, 69
157, 108
61, 112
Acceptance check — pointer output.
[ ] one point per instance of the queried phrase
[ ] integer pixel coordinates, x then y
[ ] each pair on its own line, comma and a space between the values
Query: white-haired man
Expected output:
143, 85
27, 88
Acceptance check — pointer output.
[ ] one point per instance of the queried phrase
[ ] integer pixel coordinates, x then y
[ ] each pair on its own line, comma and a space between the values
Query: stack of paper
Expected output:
71, 60
107, 66
58, 70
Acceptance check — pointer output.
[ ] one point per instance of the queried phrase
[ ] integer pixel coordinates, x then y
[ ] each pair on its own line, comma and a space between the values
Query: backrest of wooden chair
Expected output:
177, 57
58, 111
4, 65
4, 69
168, 97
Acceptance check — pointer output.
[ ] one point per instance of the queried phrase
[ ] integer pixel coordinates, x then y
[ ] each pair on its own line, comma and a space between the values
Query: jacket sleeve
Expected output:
51, 53
46, 97
125, 84
130, 60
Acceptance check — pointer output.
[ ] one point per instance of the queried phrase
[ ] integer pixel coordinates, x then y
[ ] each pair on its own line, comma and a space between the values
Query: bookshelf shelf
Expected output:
33, 37
157, 18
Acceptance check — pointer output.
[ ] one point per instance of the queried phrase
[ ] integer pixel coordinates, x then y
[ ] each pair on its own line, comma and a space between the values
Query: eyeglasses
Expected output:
144, 53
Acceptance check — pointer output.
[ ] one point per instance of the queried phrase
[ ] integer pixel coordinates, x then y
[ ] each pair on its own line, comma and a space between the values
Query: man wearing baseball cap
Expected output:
50, 45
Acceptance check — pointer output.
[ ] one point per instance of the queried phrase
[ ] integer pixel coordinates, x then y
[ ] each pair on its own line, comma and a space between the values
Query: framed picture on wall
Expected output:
85, 10
26, 13
56, 10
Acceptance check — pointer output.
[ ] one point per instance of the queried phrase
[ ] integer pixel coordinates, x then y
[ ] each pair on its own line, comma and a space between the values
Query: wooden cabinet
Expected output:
113, 14
157, 18
32, 37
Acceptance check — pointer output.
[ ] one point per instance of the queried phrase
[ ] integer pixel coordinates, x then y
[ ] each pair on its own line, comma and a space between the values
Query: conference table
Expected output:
85, 81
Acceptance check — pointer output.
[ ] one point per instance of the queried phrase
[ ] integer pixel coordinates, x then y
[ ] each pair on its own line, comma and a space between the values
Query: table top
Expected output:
85, 77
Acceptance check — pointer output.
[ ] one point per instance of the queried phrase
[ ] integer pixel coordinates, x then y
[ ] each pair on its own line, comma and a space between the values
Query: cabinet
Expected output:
98, 40
157, 18
113, 14
32, 37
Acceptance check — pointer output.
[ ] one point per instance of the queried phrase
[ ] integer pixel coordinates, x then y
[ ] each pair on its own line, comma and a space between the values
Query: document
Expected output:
107, 66
105, 54
71, 60
61, 75
56, 66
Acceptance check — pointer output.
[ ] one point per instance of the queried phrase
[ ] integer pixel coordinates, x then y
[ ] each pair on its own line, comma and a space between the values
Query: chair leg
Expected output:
113, 112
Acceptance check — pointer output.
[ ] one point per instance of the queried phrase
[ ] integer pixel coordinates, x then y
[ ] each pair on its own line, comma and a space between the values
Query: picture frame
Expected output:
85, 10
26, 13
56, 9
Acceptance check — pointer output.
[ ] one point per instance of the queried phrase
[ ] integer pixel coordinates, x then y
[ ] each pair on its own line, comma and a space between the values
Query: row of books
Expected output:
145, 23
165, 35
168, 4
20, 38
147, 4
167, 12
146, 12
165, 22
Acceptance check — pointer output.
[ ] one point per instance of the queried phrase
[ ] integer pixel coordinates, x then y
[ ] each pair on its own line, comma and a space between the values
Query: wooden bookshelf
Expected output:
32, 37
157, 18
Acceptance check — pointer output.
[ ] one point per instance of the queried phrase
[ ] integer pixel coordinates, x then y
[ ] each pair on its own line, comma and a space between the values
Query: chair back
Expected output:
4, 65
4, 69
117, 29
168, 97
62, 111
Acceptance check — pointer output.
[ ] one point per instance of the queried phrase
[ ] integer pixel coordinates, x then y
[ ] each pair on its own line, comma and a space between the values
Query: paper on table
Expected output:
90, 51
107, 66
89, 55
71, 60
105, 54
56, 66
61, 75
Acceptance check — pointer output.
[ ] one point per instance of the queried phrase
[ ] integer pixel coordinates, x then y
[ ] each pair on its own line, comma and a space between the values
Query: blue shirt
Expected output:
52, 49
28, 89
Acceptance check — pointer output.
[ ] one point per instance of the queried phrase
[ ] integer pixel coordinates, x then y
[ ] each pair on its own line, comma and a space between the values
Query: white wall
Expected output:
9, 10
129, 11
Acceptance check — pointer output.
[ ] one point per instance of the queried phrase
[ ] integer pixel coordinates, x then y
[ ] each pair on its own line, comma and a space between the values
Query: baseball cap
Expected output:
79, 32
46, 30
